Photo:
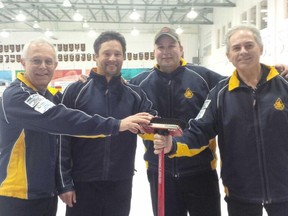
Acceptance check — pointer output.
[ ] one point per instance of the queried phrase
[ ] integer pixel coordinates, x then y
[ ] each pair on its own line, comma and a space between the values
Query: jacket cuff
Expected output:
173, 149
66, 189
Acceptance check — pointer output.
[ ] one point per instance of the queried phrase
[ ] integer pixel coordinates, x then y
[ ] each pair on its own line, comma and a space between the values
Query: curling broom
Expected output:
164, 126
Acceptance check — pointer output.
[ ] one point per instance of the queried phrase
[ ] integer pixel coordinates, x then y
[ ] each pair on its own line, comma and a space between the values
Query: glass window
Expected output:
253, 15
263, 14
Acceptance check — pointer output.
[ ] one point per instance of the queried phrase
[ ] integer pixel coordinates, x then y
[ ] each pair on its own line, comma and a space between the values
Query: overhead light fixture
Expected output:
66, 3
21, 17
135, 32
1, 4
179, 30
134, 15
85, 24
192, 14
48, 33
92, 33
5, 34
77, 17
36, 25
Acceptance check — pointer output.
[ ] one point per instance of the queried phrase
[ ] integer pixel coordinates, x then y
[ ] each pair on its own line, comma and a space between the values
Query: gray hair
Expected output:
250, 28
38, 41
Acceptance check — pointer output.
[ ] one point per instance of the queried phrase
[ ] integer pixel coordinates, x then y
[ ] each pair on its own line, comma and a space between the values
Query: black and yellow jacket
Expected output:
180, 95
29, 121
104, 158
251, 125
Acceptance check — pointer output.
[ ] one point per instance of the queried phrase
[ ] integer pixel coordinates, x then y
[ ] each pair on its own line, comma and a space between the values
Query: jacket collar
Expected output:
22, 78
102, 79
178, 70
235, 82
182, 63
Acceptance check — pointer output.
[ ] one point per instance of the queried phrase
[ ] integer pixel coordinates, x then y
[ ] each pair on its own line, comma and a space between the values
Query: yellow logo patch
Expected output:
279, 105
188, 93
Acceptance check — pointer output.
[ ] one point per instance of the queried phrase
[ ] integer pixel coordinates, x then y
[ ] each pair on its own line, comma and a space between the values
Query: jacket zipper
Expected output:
261, 152
171, 115
106, 163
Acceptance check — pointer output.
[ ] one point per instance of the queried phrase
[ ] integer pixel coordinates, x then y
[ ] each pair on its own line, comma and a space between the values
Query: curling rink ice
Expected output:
140, 204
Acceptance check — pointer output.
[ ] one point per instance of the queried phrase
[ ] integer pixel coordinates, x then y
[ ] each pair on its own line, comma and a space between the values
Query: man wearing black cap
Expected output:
179, 91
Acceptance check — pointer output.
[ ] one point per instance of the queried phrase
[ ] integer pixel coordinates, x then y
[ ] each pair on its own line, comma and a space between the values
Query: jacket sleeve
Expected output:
201, 130
64, 163
64, 166
33, 111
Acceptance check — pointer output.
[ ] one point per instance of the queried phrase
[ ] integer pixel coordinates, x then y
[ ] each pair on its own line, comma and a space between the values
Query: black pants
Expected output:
10, 206
238, 208
198, 194
102, 198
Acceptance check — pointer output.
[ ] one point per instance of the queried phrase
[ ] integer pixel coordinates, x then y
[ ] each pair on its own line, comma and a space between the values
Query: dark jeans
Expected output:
102, 198
10, 206
197, 194
238, 208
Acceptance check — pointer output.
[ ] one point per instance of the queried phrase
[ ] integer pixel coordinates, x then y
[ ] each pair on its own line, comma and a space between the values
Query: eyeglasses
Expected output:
38, 62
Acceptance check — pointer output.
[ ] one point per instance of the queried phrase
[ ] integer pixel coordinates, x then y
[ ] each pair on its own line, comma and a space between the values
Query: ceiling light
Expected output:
135, 32
36, 25
179, 30
66, 3
192, 14
20, 17
5, 34
48, 33
77, 17
134, 15
85, 24
92, 33
1, 4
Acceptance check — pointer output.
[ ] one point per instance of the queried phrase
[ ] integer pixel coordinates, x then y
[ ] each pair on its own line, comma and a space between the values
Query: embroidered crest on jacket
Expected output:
188, 93
279, 105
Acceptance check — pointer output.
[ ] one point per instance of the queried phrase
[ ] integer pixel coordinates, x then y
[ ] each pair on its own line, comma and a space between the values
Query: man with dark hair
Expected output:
30, 118
96, 174
191, 183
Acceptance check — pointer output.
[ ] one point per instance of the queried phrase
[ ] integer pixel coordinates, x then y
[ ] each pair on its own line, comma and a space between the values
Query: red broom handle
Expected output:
161, 191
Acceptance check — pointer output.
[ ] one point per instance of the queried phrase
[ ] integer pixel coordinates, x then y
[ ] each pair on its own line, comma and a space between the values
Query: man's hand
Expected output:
83, 78
282, 69
68, 198
161, 142
133, 123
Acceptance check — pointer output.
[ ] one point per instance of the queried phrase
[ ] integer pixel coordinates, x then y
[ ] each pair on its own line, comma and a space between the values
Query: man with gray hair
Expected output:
30, 118
248, 111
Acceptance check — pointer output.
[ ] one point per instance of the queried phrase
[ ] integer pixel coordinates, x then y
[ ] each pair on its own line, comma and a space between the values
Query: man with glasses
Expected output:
29, 121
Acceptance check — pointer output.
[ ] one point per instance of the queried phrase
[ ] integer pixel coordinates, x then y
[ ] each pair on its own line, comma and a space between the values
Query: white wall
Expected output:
275, 36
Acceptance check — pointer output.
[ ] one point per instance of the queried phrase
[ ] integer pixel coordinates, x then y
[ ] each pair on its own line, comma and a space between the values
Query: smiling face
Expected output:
109, 59
244, 51
39, 64
168, 53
